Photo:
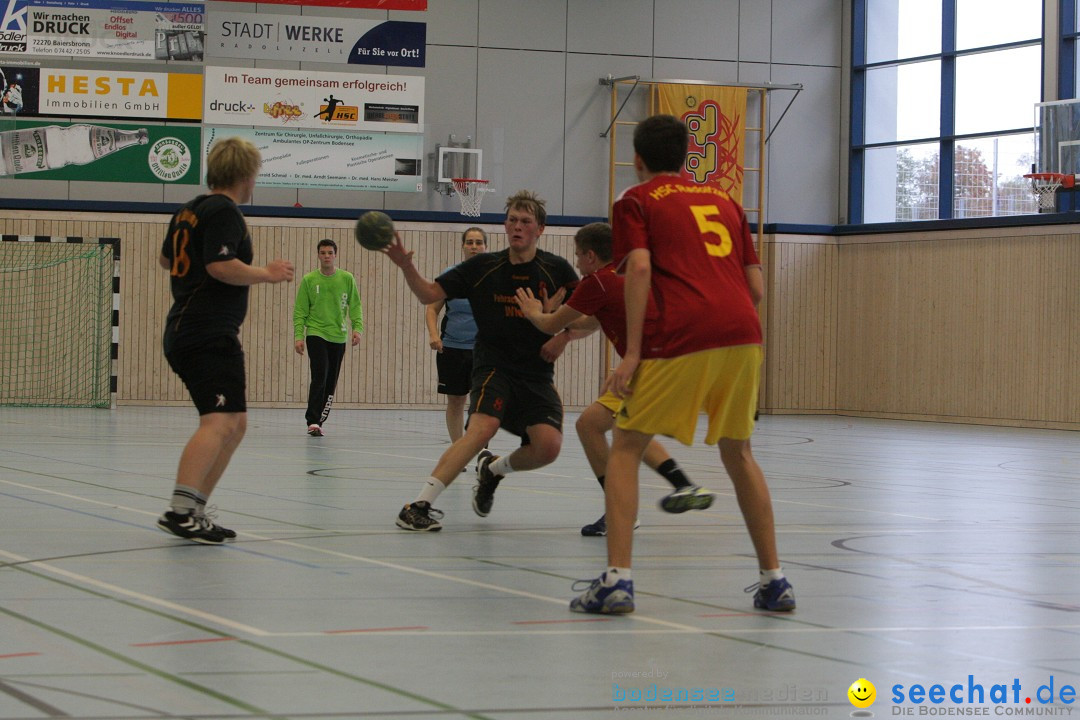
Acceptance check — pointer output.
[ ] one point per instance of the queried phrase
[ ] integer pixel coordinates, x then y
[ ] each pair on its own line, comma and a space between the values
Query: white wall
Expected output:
521, 77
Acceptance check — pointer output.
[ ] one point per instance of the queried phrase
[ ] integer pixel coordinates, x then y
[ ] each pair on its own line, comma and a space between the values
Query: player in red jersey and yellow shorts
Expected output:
598, 302
687, 246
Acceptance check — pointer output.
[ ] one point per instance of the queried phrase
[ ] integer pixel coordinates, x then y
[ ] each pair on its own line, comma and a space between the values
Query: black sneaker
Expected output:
210, 516
599, 528
189, 527
419, 516
487, 481
596, 529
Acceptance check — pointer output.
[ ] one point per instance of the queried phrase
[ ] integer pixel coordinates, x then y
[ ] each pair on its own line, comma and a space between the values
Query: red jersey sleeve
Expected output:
589, 296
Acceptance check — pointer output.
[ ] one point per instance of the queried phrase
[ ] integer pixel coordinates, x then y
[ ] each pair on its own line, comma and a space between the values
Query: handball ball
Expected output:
374, 230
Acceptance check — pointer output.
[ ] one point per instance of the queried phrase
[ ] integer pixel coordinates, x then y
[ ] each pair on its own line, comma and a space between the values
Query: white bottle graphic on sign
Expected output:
52, 146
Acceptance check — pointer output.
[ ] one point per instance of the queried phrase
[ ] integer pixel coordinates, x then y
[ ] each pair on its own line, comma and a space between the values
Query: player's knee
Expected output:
734, 452
482, 426
237, 426
585, 426
547, 449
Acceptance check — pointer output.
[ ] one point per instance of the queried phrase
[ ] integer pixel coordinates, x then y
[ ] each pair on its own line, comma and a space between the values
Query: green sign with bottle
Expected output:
100, 152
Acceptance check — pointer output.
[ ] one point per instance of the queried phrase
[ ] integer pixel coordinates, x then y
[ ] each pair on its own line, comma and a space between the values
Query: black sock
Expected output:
600, 479
671, 472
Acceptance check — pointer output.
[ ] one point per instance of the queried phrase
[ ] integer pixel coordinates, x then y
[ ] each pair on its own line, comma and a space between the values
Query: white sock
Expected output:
501, 466
431, 491
614, 575
767, 576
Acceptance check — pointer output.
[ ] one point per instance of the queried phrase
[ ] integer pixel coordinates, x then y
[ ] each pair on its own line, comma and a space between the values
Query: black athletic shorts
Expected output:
455, 371
213, 374
517, 402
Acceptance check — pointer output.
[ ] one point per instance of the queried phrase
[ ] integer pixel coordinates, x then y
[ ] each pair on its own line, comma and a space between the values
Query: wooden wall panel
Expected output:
393, 365
967, 326
963, 326
970, 327
799, 323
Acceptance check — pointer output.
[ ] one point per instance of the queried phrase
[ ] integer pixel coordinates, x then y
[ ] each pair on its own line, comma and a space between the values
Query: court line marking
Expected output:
259, 632
668, 626
141, 597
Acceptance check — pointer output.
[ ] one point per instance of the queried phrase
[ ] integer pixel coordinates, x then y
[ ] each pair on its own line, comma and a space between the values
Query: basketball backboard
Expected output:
459, 162
1057, 137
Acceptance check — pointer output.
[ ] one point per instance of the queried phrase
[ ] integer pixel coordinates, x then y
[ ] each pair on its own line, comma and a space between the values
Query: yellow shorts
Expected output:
669, 393
610, 401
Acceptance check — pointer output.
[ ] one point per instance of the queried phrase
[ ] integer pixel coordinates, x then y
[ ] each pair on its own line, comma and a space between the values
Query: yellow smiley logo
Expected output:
862, 693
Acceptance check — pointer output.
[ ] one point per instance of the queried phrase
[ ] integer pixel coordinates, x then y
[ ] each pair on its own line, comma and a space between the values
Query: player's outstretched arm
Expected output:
425, 290
582, 327
533, 309
236, 272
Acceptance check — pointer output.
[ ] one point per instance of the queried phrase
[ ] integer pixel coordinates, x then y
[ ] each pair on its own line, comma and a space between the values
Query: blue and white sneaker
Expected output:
777, 596
615, 600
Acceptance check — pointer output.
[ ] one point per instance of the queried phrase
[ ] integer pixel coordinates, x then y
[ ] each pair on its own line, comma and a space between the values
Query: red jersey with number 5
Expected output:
699, 244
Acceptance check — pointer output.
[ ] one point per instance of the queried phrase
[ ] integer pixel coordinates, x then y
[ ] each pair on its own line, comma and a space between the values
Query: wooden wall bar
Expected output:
392, 366
959, 326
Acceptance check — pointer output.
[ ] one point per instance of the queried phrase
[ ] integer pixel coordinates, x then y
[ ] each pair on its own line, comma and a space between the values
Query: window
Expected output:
943, 96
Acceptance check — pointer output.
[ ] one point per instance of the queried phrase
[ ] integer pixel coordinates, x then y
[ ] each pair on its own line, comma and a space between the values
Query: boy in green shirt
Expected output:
327, 304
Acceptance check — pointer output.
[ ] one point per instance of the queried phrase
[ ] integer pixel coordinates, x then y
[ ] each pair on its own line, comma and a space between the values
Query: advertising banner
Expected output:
18, 90
101, 152
374, 4
333, 160
312, 99
318, 39
127, 29
716, 118
119, 93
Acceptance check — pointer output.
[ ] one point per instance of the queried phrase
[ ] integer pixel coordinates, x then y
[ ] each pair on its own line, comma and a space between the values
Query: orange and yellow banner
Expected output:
716, 118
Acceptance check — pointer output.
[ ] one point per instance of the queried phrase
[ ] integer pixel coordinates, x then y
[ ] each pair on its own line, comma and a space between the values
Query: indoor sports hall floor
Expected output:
920, 554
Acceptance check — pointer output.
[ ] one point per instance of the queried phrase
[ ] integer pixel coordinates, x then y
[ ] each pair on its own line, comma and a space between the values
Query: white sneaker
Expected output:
314, 430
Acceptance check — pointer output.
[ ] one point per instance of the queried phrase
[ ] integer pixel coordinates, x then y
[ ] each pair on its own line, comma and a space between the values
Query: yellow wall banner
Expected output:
716, 118
120, 93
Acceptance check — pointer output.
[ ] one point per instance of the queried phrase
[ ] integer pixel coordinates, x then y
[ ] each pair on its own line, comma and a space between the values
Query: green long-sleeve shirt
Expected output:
327, 306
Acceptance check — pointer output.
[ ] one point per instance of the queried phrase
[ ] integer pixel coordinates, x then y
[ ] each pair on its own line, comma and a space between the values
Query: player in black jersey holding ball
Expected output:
511, 383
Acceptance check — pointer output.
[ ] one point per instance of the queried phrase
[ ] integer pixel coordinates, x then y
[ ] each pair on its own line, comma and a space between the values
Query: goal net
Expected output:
55, 324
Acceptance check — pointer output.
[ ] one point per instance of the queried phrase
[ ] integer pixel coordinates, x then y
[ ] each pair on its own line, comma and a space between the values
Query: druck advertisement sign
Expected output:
317, 39
128, 29
333, 160
311, 99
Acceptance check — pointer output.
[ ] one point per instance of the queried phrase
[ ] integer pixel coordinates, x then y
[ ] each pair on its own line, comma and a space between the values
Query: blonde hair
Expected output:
230, 162
529, 202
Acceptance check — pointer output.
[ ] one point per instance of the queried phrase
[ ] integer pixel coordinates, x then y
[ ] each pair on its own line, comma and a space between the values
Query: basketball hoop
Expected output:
471, 192
1045, 187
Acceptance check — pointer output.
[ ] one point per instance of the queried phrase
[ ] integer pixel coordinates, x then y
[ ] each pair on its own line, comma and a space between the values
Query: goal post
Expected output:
56, 323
